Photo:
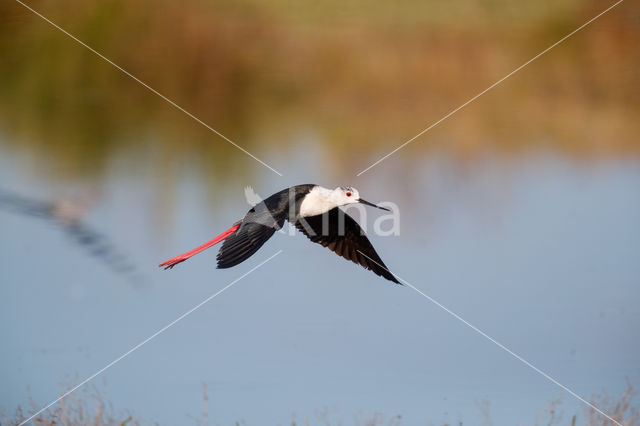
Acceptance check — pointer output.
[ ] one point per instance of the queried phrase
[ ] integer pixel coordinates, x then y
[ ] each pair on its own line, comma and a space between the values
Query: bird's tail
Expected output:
181, 258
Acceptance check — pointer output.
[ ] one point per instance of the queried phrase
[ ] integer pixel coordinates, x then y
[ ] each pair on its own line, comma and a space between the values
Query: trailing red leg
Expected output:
181, 258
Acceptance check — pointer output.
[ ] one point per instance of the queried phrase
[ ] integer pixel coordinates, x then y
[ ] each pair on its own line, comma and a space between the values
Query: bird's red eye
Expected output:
348, 194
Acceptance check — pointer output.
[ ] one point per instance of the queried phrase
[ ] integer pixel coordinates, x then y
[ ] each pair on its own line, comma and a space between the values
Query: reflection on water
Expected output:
67, 215
540, 254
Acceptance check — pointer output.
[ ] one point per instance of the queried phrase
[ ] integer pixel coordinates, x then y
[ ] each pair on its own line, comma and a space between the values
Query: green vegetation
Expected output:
268, 73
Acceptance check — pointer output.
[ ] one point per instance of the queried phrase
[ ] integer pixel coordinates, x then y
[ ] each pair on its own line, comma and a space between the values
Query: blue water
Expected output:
539, 252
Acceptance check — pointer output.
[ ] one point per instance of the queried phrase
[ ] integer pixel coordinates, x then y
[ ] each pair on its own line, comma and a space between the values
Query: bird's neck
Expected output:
318, 201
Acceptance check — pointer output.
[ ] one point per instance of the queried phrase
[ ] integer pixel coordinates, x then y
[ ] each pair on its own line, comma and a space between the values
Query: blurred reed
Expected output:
348, 73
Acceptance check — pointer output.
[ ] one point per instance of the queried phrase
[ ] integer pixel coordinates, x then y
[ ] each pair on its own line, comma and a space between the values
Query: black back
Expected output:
260, 223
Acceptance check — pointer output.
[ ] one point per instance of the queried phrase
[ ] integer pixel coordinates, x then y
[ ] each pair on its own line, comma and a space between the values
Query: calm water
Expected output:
539, 252
520, 213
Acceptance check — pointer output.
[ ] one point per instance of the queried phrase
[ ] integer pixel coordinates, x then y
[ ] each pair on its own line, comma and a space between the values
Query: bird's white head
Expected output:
320, 200
344, 195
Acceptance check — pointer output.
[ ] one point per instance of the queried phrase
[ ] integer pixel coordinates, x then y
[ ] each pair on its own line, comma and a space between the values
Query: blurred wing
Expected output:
251, 196
342, 235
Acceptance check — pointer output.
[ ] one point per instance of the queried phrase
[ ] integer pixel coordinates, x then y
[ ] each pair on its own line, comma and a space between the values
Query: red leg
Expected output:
181, 258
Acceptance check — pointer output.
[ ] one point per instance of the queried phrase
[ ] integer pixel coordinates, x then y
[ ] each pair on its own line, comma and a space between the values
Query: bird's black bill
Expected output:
373, 205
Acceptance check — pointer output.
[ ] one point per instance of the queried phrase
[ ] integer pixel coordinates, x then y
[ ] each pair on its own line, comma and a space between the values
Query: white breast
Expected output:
317, 201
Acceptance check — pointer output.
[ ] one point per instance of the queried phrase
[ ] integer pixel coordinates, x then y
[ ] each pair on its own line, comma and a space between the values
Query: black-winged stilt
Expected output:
314, 211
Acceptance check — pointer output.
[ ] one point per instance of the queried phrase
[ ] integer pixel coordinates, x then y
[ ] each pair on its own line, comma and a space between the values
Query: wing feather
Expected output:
351, 243
243, 244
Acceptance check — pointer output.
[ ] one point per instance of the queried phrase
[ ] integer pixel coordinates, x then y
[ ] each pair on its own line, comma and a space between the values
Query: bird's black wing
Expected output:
342, 235
257, 227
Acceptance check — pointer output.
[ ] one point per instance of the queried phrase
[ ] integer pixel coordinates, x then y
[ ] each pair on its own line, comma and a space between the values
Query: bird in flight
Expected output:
314, 211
